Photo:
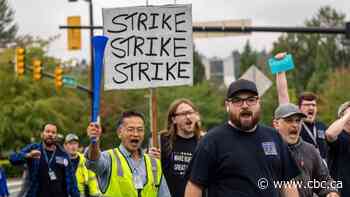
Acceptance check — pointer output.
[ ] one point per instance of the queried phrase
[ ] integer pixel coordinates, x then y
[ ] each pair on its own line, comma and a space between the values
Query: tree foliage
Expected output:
8, 28
315, 54
248, 57
334, 92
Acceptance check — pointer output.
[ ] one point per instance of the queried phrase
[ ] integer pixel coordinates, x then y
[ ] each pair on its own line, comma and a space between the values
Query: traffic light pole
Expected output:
247, 29
52, 76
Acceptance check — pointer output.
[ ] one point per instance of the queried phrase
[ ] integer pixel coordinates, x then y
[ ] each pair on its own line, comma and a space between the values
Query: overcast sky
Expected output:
42, 18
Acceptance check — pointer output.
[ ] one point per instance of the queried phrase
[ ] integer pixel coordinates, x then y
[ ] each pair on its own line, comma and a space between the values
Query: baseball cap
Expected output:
241, 85
71, 137
342, 108
287, 110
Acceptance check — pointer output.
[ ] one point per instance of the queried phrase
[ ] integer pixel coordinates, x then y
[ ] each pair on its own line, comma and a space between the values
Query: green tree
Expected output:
198, 68
315, 54
248, 57
8, 28
334, 93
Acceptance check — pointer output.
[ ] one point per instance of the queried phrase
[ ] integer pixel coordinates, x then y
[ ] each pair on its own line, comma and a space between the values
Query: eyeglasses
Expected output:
238, 102
135, 130
185, 113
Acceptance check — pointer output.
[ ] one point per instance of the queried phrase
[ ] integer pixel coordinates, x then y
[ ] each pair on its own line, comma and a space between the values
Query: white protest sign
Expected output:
148, 46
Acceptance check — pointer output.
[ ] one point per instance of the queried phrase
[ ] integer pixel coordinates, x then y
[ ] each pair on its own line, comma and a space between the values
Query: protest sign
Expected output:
148, 46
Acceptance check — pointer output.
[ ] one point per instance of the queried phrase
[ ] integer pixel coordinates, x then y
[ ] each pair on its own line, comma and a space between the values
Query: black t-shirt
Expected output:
230, 162
320, 129
175, 163
339, 162
47, 187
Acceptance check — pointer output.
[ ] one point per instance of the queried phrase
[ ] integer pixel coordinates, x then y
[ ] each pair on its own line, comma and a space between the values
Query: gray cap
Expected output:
71, 137
287, 110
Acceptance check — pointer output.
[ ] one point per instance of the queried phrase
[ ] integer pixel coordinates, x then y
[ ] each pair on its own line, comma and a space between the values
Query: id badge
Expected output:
52, 175
137, 182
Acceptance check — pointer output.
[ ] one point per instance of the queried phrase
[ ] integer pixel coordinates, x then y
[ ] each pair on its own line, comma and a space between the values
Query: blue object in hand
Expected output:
93, 140
281, 65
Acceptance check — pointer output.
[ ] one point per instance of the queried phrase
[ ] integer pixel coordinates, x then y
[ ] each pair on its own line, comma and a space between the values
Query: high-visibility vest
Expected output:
120, 183
86, 178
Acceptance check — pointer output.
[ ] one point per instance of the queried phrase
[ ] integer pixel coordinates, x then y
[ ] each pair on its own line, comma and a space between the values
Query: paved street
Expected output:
14, 186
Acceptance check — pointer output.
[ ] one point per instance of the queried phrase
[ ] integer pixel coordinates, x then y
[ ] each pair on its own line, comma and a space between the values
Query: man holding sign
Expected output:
126, 170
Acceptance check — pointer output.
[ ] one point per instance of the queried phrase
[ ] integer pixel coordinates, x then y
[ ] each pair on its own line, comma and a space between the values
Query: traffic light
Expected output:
36, 70
20, 53
74, 35
58, 77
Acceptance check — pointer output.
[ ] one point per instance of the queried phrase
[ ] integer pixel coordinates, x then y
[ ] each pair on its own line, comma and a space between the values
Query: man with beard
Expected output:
86, 179
312, 131
289, 120
338, 137
50, 170
241, 158
178, 142
126, 170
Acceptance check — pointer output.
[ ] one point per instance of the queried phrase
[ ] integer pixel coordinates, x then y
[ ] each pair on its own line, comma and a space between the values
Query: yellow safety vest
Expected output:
87, 178
121, 181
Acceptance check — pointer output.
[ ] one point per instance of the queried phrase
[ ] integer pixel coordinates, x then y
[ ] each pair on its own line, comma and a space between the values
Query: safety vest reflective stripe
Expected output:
154, 170
86, 177
119, 164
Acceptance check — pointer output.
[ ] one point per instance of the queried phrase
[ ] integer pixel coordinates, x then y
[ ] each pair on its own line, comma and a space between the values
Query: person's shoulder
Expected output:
320, 125
267, 130
344, 136
33, 146
215, 134
61, 151
309, 148
217, 131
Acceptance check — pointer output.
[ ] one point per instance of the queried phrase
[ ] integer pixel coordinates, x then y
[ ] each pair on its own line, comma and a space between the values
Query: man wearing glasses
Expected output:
312, 130
178, 142
126, 170
241, 157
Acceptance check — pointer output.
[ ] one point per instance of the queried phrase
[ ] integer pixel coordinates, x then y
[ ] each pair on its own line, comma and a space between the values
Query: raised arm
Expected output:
94, 131
282, 88
96, 161
336, 127
281, 83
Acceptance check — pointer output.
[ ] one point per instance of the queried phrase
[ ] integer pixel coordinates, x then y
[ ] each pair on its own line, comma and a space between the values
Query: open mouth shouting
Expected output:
246, 115
134, 142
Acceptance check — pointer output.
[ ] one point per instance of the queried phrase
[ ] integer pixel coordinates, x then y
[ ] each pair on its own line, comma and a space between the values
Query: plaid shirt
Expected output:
33, 168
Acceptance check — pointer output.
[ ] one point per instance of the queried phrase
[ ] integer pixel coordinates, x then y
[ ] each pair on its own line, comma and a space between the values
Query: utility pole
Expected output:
91, 21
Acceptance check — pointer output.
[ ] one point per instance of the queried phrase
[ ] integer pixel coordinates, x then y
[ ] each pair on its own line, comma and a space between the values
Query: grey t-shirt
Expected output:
312, 168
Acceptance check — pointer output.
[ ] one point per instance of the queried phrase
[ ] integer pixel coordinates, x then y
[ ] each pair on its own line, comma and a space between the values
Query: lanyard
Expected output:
312, 135
49, 161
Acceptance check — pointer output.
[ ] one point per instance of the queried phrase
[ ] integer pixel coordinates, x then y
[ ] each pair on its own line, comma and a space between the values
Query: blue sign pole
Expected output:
99, 44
